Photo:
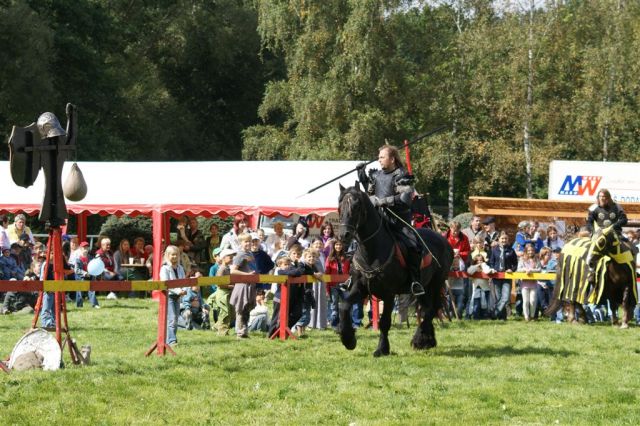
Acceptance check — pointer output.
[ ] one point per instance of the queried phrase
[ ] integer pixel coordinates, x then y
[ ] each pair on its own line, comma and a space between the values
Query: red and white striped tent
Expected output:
168, 189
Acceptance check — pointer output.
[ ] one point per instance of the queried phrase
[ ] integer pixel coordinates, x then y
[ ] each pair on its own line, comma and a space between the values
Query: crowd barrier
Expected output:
285, 281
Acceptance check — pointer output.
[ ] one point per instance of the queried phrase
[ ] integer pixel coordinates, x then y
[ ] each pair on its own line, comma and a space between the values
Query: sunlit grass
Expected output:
487, 372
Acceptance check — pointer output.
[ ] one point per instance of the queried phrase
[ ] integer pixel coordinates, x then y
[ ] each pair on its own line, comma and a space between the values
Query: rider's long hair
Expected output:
394, 153
607, 194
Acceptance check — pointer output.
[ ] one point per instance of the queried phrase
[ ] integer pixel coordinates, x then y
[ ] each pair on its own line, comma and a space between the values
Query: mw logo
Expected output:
578, 185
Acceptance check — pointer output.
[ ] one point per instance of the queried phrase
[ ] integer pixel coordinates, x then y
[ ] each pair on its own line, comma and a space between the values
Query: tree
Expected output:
341, 81
26, 77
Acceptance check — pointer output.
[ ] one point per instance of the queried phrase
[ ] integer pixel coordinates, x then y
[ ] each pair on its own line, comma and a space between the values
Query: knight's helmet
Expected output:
49, 126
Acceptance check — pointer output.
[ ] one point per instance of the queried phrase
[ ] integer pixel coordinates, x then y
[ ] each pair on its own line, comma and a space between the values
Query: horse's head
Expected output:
604, 241
353, 205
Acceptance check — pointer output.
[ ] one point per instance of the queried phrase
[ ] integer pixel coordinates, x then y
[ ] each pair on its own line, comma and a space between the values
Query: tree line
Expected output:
516, 83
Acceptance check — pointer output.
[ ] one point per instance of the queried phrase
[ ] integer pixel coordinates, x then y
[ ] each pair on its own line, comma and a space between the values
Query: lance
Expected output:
411, 142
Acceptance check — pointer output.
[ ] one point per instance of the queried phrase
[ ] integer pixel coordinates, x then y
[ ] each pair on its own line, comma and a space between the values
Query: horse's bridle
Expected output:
362, 218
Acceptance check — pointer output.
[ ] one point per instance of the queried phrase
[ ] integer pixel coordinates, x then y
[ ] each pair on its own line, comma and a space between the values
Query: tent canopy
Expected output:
199, 188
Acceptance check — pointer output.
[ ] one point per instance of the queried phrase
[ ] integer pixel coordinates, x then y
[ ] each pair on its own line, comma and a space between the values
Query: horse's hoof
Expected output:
378, 353
423, 343
624, 326
349, 343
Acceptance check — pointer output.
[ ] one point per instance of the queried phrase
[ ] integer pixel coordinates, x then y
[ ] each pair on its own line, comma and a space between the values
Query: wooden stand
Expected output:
60, 304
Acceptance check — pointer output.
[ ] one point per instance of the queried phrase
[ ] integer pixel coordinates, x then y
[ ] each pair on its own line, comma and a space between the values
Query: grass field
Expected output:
487, 372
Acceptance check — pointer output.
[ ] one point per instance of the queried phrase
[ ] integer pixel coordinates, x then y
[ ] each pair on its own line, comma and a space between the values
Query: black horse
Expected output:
378, 269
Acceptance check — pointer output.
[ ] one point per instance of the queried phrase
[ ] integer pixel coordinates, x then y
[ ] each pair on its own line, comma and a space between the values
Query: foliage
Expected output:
170, 80
335, 79
482, 372
460, 63
117, 228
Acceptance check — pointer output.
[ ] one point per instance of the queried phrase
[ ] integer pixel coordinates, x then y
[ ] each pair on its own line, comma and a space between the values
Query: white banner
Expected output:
581, 180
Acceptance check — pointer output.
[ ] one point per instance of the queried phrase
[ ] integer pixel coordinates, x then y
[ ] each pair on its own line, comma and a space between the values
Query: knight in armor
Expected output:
603, 214
391, 188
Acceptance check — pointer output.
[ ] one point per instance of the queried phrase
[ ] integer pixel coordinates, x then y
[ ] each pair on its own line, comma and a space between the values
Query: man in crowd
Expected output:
475, 229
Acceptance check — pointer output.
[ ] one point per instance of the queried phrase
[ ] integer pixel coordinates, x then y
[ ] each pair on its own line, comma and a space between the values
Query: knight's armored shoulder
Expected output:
405, 179
593, 207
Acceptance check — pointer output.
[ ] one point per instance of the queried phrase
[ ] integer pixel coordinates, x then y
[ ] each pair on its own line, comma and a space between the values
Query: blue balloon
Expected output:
95, 267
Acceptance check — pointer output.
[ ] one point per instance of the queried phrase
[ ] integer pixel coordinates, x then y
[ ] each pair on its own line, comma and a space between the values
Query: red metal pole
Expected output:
375, 311
58, 275
81, 226
284, 310
158, 231
407, 156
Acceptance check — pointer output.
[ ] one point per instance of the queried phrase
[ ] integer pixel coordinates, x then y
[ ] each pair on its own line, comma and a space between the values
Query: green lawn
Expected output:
487, 372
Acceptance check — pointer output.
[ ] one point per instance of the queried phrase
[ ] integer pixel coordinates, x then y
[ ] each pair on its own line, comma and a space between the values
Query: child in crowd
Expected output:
529, 263
319, 309
79, 261
220, 299
264, 264
308, 301
480, 290
503, 258
243, 296
477, 248
457, 284
172, 270
283, 263
193, 310
213, 270
545, 289
259, 316
337, 263
288, 264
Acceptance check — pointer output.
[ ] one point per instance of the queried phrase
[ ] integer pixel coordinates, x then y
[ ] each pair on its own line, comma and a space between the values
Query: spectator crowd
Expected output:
243, 308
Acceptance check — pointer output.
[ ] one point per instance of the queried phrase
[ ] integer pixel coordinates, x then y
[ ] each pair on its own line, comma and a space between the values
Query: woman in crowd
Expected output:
121, 256
230, 239
172, 270
458, 240
243, 296
16, 230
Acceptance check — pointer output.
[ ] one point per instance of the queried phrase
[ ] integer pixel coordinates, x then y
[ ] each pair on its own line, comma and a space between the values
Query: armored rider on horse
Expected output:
391, 190
603, 214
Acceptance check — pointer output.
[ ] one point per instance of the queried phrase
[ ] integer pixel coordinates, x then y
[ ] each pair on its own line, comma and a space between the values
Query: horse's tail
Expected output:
556, 302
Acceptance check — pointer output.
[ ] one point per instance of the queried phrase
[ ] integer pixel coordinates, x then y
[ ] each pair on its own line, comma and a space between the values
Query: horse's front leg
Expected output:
425, 335
627, 308
384, 324
345, 327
